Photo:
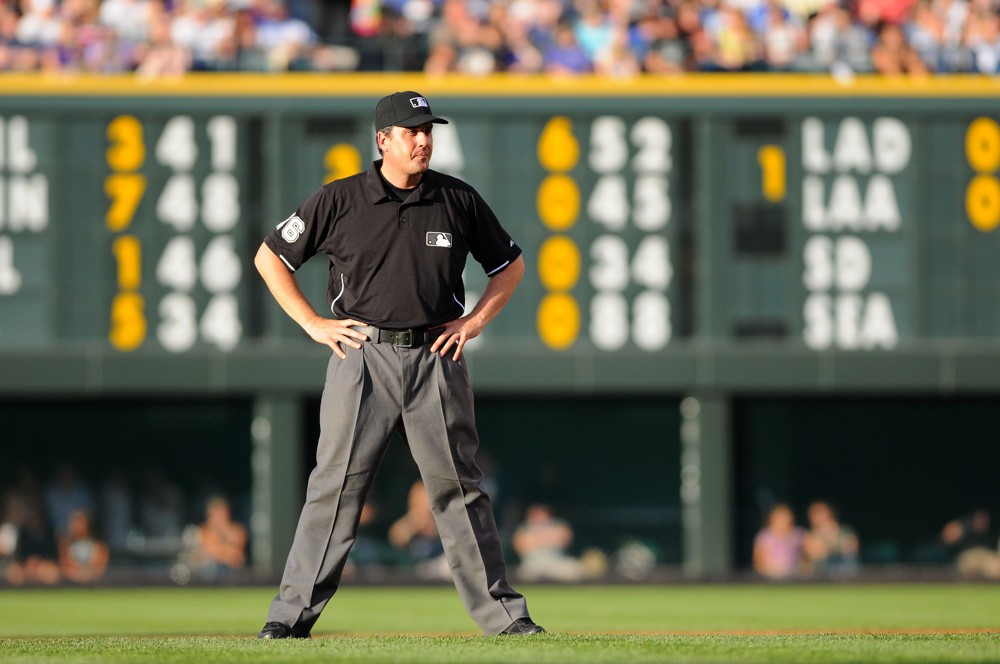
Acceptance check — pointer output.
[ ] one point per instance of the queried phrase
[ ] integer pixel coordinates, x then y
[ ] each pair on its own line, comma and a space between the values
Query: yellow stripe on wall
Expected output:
369, 85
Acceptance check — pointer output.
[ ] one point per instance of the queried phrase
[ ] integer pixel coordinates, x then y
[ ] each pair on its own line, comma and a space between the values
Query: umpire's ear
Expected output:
382, 137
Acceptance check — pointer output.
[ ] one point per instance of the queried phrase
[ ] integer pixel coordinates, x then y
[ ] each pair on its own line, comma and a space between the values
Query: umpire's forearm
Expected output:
498, 291
283, 286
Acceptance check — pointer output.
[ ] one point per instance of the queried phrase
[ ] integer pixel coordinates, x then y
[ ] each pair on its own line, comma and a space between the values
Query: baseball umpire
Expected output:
397, 237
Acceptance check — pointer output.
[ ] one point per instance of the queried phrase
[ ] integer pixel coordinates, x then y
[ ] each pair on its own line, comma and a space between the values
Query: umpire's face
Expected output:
407, 150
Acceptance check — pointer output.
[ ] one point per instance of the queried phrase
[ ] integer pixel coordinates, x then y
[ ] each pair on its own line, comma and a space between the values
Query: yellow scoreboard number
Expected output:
982, 196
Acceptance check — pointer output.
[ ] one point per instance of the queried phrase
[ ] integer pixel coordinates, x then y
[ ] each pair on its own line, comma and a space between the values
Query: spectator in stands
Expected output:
838, 44
522, 53
12, 515
564, 55
925, 33
880, 12
416, 534
8, 37
439, 36
657, 43
441, 59
704, 56
617, 59
982, 39
219, 542
116, 511
494, 55
365, 17
692, 34
65, 494
161, 56
974, 545
831, 549
130, 20
39, 24
593, 27
206, 29
82, 558
782, 36
736, 46
104, 52
161, 512
710, 16
286, 41
401, 44
955, 13
541, 542
462, 42
34, 555
332, 19
804, 9
777, 549
892, 55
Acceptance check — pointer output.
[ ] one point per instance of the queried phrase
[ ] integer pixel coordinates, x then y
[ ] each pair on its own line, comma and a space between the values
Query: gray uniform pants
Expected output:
428, 400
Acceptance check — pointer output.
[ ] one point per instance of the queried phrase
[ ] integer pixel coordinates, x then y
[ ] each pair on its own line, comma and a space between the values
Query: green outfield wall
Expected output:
715, 241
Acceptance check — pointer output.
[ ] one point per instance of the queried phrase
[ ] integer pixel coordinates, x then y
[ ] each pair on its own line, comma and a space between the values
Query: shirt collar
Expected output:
428, 189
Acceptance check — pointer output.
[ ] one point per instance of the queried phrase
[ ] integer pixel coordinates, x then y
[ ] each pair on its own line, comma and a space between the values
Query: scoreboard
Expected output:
108, 235
191, 223
870, 231
717, 232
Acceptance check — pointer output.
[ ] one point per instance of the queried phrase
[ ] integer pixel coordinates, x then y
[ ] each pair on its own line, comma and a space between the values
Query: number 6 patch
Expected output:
291, 228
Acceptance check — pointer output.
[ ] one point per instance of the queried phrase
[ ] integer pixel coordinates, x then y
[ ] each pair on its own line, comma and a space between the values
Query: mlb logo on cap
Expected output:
404, 109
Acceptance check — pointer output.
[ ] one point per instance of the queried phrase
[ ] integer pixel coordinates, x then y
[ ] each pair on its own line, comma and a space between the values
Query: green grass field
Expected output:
684, 623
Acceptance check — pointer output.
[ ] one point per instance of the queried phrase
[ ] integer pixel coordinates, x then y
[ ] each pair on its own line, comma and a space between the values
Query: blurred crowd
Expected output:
540, 545
829, 549
59, 529
615, 38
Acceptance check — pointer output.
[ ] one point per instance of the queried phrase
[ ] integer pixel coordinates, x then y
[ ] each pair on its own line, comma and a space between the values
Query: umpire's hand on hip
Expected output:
455, 334
333, 331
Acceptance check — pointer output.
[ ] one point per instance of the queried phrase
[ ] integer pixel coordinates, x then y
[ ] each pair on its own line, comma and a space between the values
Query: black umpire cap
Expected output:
404, 109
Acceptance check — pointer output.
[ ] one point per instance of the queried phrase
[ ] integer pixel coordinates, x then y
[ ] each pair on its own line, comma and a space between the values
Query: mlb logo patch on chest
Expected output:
438, 239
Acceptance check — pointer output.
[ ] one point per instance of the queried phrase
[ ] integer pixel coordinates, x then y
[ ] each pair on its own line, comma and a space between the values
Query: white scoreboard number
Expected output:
219, 268
641, 151
180, 205
626, 214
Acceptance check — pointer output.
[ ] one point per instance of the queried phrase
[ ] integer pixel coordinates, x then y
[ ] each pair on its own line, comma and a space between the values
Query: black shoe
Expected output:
277, 630
523, 626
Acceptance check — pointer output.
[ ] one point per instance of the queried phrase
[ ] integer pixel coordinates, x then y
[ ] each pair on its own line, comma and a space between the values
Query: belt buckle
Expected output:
404, 338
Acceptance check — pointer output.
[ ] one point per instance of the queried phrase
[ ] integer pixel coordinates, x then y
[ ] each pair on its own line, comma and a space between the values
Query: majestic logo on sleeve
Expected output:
419, 102
291, 228
436, 239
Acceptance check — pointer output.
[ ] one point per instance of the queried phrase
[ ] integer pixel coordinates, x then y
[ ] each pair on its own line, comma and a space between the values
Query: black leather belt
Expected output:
410, 338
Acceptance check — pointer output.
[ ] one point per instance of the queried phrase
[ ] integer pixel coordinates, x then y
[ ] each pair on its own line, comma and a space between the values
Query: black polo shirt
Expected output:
395, 264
